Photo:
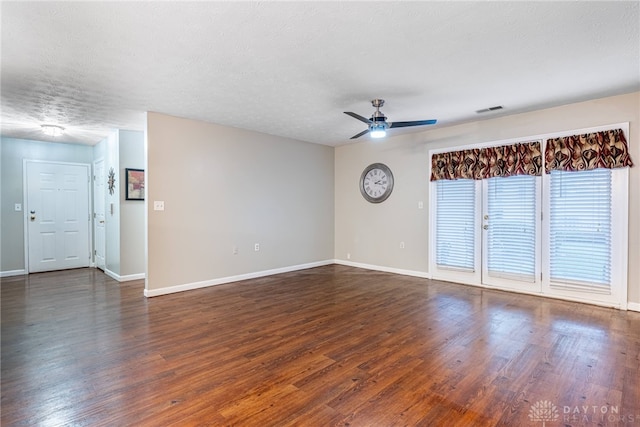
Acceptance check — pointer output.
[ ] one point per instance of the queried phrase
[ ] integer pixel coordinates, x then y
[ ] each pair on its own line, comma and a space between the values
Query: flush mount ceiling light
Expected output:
52, 130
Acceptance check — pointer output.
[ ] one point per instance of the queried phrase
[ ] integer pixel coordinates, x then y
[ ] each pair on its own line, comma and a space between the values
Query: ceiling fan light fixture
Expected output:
381, 133
378, 130
52, 130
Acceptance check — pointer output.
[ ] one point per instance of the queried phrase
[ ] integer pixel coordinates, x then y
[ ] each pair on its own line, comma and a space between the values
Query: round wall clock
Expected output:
111, 182
376, 183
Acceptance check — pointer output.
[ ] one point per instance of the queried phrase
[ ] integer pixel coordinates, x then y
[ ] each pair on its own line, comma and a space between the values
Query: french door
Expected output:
488, 232
562, 234
511, 233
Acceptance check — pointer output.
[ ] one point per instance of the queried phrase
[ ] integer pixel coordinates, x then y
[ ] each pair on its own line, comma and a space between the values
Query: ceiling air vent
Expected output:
486, 110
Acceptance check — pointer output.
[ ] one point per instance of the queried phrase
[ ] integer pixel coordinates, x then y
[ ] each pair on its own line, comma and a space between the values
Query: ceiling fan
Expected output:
378, 124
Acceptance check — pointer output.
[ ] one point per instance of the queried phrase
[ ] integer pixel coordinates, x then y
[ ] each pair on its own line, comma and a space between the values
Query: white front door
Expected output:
99, 213
57, 216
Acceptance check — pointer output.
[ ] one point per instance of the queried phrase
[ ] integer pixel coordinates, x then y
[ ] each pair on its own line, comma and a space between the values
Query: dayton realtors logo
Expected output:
545, 411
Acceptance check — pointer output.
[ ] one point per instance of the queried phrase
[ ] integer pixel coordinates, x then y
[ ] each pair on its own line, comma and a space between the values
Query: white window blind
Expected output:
455, 224
580, 229
511, 234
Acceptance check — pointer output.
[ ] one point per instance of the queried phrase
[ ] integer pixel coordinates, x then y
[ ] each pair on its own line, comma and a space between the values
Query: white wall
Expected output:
371, 234
223, 188
12, 153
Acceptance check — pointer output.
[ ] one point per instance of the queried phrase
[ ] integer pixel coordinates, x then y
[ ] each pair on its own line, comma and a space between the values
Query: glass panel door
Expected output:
511, 233
456, 246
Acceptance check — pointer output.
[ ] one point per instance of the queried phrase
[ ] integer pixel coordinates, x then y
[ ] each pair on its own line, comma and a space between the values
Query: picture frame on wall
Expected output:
134, 181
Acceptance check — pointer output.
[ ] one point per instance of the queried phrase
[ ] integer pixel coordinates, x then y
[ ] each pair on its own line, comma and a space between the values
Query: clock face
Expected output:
376, 183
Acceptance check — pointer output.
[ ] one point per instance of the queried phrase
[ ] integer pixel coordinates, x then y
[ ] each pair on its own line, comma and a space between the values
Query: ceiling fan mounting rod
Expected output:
378, 116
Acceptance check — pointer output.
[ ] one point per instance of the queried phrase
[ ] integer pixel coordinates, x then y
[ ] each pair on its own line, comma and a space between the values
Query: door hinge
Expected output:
95, 252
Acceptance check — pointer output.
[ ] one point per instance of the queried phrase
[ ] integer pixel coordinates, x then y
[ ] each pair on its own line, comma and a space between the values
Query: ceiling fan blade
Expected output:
358, 117
360, 134
413, 123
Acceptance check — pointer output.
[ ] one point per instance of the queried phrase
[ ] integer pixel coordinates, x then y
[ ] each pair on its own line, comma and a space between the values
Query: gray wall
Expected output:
223, 188
112, 208
132, 213
13, 152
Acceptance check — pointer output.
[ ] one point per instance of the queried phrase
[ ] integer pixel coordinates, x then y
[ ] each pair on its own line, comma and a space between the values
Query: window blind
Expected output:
455, 224
511, 233
580, 229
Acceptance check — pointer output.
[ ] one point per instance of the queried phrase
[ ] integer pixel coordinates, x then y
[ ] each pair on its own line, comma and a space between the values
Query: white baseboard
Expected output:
10, 273
130, 277
413, 273
126, 278
231, 279
633, 306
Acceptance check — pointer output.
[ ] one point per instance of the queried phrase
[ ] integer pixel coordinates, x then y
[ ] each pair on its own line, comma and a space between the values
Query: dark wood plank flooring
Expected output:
329, 346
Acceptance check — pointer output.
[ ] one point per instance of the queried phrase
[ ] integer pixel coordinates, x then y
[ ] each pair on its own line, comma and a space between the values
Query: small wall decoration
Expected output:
111, 182
134, 184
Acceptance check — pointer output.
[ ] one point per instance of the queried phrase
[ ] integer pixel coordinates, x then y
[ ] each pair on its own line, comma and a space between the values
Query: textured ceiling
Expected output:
292, 68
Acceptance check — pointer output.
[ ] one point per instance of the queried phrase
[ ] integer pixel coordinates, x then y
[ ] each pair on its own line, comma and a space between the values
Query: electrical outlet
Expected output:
235, 250
420, 205
348, 256
158, 205
18, 207
256, 247
401, 245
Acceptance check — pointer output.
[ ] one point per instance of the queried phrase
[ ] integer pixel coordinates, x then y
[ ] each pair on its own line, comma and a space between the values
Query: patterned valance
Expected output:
481, 163
606, 149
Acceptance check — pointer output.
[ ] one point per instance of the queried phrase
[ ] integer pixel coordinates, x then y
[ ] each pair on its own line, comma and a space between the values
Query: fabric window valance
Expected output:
607, 149
482, 163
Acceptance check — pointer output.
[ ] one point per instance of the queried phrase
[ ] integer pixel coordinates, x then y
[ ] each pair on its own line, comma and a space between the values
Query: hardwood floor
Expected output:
329, 346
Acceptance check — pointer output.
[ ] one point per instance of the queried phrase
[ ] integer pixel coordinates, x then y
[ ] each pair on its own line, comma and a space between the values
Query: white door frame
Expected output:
95, 219
26, 213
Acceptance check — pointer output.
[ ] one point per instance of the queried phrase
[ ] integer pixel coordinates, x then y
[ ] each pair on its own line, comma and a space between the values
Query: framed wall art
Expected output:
134, 179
